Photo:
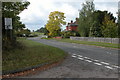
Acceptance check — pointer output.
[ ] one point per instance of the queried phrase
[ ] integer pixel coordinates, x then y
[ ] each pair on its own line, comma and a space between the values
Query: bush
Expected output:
67, 34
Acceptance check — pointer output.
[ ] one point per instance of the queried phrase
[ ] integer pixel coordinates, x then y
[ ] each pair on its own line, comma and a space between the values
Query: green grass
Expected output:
109, 45
32, 54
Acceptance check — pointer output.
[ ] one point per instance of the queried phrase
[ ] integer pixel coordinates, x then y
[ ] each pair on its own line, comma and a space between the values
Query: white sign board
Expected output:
8, 23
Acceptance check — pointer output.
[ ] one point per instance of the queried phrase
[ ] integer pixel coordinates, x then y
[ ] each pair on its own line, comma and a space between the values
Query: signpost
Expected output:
8, 27
8, 23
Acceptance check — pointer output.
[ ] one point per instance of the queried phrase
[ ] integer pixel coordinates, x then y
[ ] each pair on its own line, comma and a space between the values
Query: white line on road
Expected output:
116, 66
86, 57
88, 60
80, 58
108, 67
98, 64
73, 56
105, 63
96, 60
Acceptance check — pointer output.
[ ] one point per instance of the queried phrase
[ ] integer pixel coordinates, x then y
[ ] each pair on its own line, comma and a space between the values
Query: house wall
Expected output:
71, 28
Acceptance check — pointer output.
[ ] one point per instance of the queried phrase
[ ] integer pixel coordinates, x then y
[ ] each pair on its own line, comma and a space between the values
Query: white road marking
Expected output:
98, 64
88, 60
86, 57
105, 63
116, 66
96, 60
80, 58
108, 67
73, 56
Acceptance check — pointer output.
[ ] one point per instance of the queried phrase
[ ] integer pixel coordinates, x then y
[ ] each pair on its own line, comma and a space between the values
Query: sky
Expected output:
36, 16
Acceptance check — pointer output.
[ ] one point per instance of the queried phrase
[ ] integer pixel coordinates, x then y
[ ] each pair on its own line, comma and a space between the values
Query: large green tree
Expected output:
55, 22
85, 18
109, 28
98, 18
12, 10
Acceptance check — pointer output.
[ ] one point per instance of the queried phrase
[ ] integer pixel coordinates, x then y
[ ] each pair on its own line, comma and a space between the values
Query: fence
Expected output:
97, 39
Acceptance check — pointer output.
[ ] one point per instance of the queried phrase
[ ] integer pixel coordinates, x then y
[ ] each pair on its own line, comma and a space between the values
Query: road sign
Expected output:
8, 23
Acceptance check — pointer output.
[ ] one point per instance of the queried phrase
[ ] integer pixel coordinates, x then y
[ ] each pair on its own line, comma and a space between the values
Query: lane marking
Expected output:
80, 58
108, 67
96, 60
116, 66
105, 63
86, 57
98, 64
74, 56
88, 60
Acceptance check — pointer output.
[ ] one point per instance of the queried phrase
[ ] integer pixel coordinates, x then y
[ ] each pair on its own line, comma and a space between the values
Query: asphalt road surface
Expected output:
83, 62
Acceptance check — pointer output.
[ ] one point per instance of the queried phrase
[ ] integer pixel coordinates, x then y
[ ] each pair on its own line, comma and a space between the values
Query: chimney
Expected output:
71, 21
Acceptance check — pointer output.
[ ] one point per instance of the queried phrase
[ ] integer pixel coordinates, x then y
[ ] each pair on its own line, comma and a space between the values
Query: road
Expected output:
83, 62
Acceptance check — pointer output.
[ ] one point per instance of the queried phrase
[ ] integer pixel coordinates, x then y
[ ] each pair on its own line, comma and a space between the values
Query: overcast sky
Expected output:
36, 15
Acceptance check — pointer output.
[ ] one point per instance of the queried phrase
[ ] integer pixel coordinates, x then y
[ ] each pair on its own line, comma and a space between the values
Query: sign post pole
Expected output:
8, 27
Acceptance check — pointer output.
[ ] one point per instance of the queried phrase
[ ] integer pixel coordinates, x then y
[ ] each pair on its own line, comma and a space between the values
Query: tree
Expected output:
12, 10
109, 27
23, 32
118, 22
55, 22
85, 18
43, 30
98, 18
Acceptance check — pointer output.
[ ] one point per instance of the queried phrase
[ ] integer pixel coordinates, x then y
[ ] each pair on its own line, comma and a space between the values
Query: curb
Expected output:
30, 70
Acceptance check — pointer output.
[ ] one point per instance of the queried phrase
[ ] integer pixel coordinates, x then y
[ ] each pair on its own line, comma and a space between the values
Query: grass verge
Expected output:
109, 45
31, 54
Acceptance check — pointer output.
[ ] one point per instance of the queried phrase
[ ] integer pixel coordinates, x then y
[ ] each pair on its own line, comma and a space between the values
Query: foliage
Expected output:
55, 22
98, 18
85, 18
109, 28
43, 30
23, 32
12, 10
67, 34
118, 24
91, 22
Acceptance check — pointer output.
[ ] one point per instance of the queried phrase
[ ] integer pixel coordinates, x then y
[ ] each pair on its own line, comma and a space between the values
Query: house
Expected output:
72, 26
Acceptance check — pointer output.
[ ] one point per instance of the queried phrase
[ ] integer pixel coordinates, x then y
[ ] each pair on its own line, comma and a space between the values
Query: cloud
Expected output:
36, 15
109, 6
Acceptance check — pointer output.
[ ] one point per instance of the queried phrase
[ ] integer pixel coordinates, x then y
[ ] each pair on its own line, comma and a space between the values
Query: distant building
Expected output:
72, 26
